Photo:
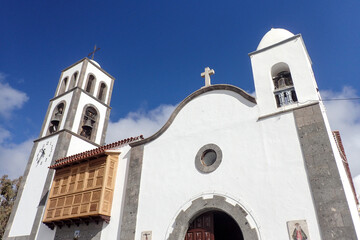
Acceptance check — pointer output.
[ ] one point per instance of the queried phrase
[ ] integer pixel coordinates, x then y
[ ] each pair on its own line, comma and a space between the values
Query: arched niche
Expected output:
56, 117
89, 122
90, 84
63, 85
102, 92
73, 80
284, 91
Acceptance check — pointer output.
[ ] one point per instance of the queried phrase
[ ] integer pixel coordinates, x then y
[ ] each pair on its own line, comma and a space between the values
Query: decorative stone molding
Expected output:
200, 205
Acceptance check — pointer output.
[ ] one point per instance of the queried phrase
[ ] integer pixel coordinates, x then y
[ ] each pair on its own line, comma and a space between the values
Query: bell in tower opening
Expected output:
56, 118
89, 121
284, 89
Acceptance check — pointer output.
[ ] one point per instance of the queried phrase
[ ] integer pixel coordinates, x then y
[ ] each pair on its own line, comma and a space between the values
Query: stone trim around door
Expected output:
200, 205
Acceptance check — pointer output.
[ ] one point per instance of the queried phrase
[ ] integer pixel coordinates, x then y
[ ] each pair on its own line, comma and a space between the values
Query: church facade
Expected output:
225, 165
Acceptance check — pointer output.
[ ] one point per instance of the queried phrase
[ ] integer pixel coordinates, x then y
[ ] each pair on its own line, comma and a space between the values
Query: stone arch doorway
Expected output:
214, 225
216, 204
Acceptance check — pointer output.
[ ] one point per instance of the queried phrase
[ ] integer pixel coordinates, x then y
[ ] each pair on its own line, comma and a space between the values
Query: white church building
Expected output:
224, 166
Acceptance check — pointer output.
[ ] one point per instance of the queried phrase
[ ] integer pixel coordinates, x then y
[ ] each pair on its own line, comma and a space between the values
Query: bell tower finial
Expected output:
93, 52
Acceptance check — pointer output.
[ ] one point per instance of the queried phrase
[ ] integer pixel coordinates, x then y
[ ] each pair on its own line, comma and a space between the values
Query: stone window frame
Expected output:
198, 158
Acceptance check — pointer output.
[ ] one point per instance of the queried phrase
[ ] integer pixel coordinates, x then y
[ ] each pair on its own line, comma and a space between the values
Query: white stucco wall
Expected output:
111, 231
26, 211
78, 145
262, 166
44, 232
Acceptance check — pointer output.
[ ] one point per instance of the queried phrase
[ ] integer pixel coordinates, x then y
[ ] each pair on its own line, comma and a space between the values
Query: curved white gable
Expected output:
255, 165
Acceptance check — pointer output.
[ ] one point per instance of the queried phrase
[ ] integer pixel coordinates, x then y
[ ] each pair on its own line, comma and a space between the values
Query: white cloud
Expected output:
13, 158
4, 134
357, 185
344, 115
140, 122
10, 98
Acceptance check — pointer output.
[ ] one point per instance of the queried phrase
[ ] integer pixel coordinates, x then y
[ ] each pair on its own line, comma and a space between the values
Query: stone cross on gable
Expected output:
206, 74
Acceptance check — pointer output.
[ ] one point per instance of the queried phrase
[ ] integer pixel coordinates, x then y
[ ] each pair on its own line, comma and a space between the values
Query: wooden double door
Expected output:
214, 225
202, 228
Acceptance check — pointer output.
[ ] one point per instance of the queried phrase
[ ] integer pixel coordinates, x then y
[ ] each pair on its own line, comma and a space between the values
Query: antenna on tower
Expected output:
93, 52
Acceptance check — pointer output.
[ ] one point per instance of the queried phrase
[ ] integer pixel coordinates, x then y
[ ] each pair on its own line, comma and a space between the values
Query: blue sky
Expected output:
156, 50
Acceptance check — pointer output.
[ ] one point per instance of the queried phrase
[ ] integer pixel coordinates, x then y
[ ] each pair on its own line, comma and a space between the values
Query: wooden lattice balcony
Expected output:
82, 191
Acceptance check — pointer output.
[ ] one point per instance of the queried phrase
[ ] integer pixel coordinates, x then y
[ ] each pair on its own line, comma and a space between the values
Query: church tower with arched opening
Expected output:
76, 121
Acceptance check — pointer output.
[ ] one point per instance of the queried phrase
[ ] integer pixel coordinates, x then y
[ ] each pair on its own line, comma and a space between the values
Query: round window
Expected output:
208, 158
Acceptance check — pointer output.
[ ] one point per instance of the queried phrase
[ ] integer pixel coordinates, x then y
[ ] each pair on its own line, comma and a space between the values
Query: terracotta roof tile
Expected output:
77, 157
341, 149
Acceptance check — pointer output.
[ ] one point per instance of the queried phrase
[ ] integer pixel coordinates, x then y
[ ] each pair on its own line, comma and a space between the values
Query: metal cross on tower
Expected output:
208, 72
93, 52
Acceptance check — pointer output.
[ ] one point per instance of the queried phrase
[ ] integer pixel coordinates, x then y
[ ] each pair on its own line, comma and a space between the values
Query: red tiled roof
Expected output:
340, 146
96, 151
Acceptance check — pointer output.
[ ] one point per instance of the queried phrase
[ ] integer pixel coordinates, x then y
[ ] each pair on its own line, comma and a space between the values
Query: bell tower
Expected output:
76, 121
282, 72
286, 89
